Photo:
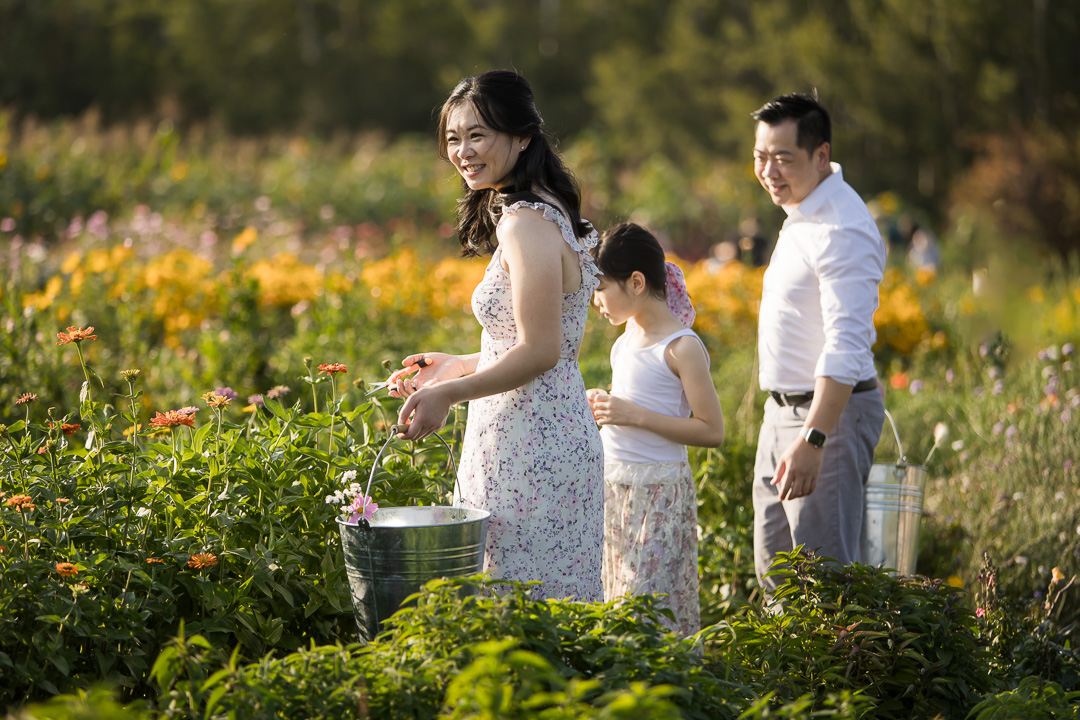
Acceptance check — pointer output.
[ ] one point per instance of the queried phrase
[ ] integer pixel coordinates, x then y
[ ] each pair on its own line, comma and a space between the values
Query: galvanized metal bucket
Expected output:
401, 548
893, 513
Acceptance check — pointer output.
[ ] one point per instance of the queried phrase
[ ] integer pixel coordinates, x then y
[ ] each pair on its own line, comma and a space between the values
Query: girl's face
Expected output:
614, 300
484, 157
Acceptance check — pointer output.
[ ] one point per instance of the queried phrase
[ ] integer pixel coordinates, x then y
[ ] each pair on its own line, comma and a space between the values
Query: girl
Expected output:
532, 455
662, 399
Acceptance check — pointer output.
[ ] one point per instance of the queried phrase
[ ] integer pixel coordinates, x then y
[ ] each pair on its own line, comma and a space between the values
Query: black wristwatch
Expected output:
815, 437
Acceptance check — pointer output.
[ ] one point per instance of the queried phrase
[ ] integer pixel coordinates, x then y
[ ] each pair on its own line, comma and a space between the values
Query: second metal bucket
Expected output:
403, 548
893, 513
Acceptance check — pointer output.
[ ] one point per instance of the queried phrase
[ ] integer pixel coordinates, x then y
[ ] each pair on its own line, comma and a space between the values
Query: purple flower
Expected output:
999, 387
256, 400
227, 392
999, 427
916, 386
1010, 432
278, 391
1068, 465
1067, 350
950, 376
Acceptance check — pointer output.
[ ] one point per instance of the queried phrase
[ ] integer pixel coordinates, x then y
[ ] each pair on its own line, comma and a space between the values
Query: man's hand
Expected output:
798, 470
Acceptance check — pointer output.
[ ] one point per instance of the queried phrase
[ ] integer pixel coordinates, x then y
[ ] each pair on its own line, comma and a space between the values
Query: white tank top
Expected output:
642, 376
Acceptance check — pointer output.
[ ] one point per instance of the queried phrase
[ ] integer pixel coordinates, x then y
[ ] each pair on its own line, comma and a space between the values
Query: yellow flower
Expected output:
1056, 576
242, 241
954, 581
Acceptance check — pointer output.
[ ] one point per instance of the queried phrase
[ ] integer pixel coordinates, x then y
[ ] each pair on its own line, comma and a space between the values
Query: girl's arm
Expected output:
532, 251
704, 428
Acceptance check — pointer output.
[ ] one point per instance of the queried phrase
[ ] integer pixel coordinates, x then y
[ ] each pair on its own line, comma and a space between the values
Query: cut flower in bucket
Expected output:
354, 503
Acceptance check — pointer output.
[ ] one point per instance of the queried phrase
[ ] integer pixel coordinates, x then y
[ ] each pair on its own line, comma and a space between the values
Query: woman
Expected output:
532, 454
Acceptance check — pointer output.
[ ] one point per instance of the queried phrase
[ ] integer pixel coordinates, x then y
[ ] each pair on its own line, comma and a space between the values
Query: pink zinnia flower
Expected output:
173, 418
362, 505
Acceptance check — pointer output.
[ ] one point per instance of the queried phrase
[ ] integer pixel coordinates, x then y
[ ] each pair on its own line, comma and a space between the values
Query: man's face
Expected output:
784, 169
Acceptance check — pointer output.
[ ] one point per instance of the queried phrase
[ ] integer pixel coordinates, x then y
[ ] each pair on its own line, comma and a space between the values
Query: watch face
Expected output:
815, 437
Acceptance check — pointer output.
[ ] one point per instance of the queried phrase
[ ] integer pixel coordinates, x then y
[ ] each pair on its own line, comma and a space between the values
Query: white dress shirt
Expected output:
820, 292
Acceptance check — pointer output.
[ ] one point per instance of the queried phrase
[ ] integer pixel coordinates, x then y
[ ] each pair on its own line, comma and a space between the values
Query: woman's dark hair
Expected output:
503, 99
628, 248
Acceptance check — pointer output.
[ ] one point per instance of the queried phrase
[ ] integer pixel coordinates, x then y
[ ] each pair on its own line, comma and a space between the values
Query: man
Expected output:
824, 413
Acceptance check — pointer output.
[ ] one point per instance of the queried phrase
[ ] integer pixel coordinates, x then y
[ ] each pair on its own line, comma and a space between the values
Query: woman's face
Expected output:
484, 157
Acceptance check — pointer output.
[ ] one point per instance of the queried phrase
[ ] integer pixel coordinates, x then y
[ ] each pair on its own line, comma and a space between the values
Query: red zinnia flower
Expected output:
67, 428
26, 398
76, 335
332, 369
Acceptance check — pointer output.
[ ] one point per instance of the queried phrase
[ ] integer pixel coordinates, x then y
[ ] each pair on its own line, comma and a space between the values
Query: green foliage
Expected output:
110, 546
1021, 635
907, 644
1033, 699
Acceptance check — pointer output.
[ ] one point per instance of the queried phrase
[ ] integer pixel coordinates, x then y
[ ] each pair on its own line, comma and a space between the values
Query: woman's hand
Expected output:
424, 412
423, 369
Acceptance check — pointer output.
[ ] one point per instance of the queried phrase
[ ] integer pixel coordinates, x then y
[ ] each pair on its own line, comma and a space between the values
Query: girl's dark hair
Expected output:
503, 99
628, 248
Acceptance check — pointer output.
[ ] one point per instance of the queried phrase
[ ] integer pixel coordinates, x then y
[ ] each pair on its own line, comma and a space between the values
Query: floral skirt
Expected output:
650, 537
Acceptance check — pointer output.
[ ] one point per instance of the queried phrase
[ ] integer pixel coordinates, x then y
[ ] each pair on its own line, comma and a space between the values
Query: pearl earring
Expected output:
522, 147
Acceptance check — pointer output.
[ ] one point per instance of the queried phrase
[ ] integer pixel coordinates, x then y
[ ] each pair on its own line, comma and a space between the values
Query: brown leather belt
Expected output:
794, 399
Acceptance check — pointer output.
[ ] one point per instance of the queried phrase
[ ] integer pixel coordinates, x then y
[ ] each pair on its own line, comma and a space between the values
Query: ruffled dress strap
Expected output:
555, 215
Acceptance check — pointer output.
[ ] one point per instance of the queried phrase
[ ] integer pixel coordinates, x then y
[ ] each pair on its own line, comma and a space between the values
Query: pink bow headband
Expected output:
678, 299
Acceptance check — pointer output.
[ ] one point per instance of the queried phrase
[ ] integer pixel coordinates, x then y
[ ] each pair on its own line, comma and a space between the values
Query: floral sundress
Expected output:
533, 456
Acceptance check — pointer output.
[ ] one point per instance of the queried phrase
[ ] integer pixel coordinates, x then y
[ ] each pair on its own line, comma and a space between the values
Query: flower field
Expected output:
190, 329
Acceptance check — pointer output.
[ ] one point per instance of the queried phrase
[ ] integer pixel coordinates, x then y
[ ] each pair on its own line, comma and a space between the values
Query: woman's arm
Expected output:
532, 251
704, 428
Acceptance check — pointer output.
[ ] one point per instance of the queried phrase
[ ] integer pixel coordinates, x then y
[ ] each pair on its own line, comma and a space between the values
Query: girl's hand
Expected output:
613, 410
592, 395
425, 369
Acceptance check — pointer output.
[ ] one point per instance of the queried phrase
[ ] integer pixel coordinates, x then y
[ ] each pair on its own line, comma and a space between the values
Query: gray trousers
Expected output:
829, 520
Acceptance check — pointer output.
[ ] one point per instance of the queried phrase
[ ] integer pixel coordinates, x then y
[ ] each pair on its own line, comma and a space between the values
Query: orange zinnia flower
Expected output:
26, 398
76, 335
899, 381
173, 418
18, 501
332, 368
154, 561
202, 560
66, 569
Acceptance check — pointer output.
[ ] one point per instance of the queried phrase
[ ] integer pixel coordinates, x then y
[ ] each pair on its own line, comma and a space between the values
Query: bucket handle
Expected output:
896, 435
394, 430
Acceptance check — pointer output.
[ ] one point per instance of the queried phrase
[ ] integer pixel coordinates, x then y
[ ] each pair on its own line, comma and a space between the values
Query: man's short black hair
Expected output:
812, 120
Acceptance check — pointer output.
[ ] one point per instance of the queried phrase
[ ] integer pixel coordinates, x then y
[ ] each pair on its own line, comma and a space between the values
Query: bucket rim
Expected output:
903, 464
481, 515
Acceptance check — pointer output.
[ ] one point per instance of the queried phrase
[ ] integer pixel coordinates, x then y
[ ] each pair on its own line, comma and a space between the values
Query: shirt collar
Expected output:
813, 202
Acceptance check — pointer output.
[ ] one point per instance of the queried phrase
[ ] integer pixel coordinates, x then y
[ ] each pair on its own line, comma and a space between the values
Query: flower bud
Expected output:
941, 433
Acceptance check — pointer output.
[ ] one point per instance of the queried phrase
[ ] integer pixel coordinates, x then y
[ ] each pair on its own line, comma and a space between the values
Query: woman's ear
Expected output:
637, 282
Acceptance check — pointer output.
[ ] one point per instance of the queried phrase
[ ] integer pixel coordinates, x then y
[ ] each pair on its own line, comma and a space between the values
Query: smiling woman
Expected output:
531, 448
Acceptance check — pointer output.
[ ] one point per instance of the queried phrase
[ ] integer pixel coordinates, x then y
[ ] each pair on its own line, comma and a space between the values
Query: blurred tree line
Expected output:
957, 103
